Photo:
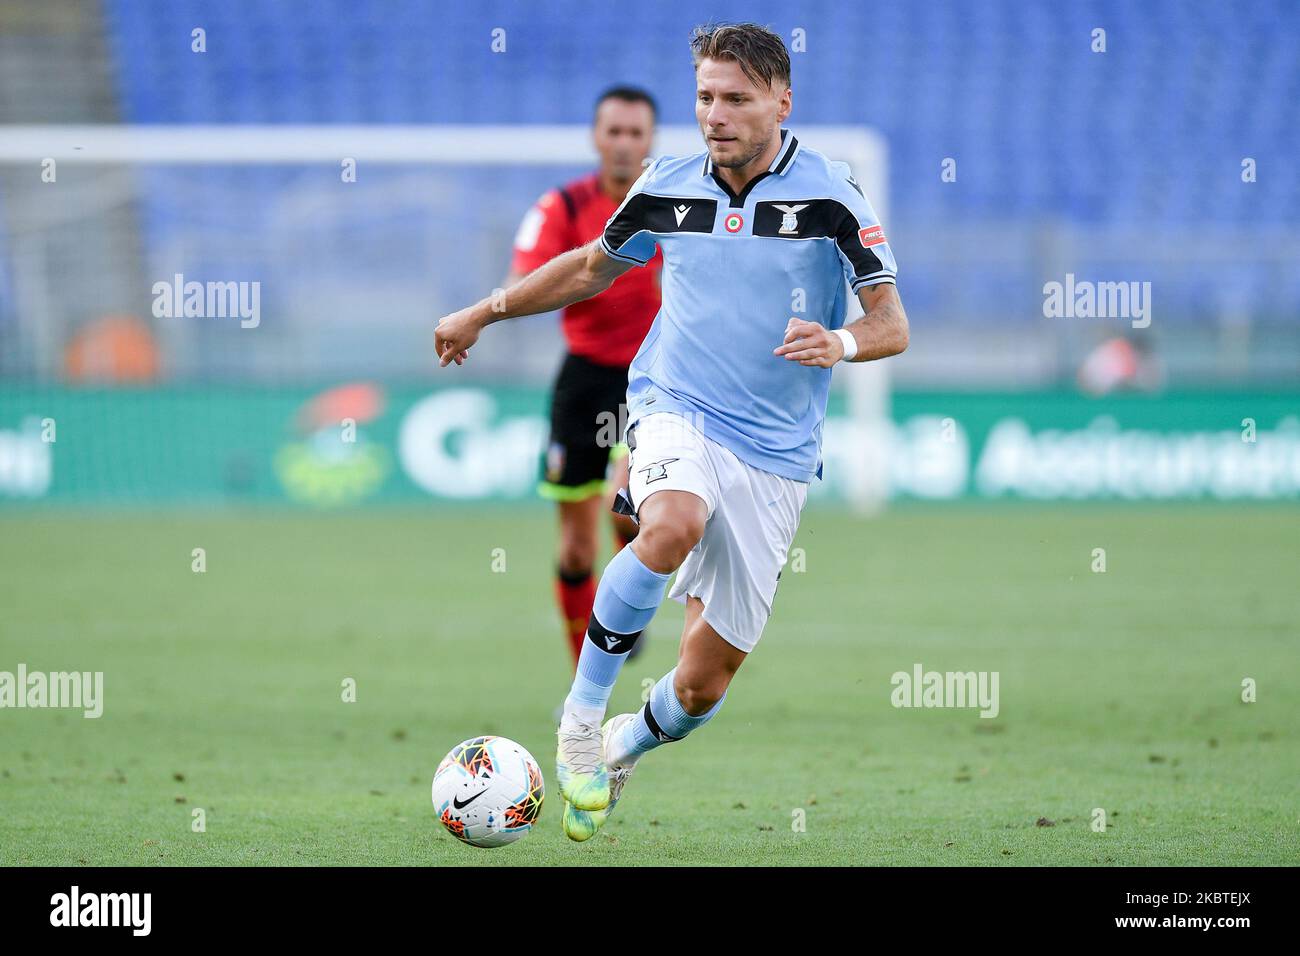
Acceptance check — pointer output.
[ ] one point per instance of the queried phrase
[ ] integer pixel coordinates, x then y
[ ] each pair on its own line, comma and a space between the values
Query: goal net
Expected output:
332, 250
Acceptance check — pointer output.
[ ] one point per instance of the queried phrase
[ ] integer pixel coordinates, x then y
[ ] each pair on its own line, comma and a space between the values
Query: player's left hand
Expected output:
810, 344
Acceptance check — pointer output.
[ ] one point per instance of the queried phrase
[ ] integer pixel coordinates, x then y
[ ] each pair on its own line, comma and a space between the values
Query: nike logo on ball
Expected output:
461, 806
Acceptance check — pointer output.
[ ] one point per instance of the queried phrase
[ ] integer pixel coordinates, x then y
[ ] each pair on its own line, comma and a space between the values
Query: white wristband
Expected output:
850, 343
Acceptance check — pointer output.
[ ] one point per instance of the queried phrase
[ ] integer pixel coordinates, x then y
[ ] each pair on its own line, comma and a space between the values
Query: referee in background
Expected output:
584, 462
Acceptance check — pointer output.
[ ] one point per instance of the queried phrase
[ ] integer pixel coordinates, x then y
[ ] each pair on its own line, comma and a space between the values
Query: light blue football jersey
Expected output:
736, 269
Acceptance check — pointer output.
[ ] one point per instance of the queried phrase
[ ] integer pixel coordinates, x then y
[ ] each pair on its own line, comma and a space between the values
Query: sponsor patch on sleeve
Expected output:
871, 236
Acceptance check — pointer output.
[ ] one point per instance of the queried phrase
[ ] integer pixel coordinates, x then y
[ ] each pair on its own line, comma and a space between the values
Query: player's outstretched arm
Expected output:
576, 275
880, 333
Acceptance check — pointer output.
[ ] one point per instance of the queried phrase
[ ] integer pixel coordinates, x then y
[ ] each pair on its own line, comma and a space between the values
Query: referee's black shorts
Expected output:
586, 414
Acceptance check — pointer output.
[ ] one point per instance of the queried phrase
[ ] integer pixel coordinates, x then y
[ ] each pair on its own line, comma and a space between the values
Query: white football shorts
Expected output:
753, 515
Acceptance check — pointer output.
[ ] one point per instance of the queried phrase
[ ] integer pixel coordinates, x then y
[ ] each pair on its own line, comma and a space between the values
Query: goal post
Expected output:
26, 151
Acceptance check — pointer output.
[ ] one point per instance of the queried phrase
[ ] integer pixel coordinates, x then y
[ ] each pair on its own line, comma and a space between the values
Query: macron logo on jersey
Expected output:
680, 212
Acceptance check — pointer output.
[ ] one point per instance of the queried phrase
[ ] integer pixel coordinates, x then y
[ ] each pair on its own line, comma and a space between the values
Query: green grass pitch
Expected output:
1119, 690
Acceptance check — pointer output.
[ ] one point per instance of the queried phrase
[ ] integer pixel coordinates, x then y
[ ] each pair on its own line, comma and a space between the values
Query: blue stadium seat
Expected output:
1150, 133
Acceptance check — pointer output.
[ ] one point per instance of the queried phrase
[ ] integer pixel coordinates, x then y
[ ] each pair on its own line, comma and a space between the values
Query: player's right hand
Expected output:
454, 335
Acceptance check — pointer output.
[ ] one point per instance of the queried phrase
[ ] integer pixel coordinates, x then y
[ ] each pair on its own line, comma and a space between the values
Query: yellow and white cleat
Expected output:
580, 767
581, 825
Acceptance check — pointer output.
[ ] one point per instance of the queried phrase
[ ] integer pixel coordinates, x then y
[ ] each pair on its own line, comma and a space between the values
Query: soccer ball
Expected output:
488, 791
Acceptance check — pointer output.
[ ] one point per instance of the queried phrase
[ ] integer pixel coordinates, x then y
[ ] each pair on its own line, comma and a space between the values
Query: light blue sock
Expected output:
661, 721
626, 599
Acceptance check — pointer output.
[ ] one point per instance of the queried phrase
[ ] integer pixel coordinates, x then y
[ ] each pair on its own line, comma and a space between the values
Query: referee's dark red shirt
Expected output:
608, 328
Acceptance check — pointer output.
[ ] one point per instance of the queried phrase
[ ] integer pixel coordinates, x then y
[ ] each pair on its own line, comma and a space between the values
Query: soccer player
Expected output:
602, 334
726, 396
